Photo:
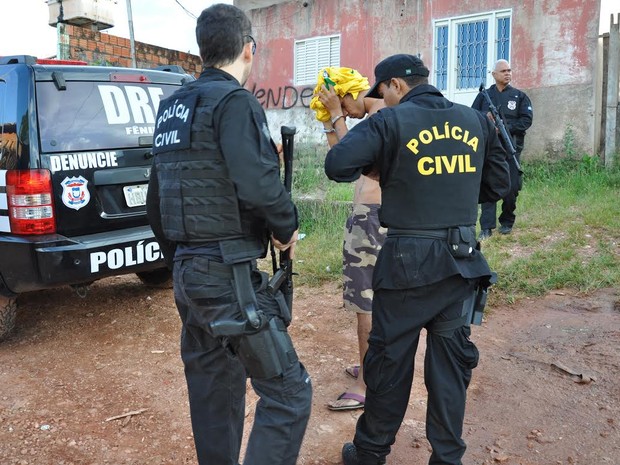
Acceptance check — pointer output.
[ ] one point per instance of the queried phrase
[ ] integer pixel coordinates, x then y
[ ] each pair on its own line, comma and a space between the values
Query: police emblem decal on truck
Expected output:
75, 192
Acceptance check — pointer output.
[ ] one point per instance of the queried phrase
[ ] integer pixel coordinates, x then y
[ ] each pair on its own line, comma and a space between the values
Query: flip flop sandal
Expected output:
359, 399
353, 371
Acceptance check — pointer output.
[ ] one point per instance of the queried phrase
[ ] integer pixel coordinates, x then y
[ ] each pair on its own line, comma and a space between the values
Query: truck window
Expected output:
97, 115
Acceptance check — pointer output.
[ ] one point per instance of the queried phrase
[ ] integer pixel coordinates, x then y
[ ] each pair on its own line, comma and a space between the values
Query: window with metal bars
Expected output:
503, 39
468, 46
312, 54
472, 44
441, 58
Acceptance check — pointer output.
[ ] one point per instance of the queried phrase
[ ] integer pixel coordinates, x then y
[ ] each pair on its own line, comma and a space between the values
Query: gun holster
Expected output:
478, 303
261, 341
268, 352
480, 299
472, 313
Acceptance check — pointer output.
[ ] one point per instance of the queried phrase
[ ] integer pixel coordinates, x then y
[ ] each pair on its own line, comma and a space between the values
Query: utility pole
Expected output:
62, 41
131, 39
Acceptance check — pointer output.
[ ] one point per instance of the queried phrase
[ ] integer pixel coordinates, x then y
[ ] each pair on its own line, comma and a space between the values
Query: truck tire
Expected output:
160, 278
8, 311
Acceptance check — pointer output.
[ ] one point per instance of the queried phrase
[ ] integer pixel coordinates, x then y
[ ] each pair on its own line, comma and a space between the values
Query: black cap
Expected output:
394, 66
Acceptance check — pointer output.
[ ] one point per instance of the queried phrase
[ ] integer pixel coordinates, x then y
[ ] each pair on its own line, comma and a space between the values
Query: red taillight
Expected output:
30, 202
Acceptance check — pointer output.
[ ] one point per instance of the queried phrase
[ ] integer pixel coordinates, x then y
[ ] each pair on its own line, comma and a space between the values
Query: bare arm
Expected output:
335, 129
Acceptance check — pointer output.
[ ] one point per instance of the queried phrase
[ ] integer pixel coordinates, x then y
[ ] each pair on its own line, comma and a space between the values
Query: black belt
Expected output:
213, 267
420, 233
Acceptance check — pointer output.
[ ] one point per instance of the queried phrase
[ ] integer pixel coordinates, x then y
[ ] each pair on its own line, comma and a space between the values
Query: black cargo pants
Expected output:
398, 316
488, 210
216, 378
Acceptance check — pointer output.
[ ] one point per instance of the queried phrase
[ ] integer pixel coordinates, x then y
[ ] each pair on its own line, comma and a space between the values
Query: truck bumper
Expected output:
32, 263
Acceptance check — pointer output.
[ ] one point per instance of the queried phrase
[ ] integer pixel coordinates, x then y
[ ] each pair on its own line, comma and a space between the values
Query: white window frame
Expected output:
312, 54
491, 16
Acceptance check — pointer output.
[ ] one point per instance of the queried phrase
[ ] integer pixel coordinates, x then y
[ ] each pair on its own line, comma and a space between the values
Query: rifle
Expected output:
283, 274
499, 124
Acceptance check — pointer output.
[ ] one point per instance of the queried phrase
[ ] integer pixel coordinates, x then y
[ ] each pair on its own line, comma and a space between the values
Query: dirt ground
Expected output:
99, 381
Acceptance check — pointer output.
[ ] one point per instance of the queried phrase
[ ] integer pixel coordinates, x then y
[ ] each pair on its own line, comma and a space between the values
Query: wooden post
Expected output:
611, 115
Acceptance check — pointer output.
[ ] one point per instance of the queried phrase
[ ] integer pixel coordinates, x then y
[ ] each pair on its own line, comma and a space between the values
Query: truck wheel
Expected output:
8, 311
160, 278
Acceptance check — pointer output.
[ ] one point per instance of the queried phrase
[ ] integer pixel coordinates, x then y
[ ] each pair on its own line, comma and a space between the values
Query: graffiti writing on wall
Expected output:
285, 97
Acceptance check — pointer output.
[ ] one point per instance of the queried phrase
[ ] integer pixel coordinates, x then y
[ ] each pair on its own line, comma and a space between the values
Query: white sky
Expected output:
24, 25
608, 7
24, 28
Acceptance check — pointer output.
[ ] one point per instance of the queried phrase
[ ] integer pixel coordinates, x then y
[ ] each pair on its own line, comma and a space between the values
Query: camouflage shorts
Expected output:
363, 238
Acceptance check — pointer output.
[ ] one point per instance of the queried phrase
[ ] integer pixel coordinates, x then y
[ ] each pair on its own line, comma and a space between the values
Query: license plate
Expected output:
135, 196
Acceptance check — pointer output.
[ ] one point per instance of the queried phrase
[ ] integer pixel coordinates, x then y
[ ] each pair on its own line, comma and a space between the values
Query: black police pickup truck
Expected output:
75, 157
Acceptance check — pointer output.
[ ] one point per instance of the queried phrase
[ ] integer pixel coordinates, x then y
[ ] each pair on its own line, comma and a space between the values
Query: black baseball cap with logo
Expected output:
401, 65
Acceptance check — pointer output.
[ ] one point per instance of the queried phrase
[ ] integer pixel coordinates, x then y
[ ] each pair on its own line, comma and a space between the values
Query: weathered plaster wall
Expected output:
554, 50
554, 55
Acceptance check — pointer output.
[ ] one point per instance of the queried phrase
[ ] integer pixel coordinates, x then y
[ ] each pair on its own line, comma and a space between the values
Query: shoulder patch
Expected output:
173, 123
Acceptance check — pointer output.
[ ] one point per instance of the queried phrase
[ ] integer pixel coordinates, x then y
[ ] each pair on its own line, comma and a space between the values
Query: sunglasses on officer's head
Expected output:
253, 42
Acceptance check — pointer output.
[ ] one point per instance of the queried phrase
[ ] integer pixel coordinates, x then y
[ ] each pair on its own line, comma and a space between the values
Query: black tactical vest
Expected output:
198, 199
433, 181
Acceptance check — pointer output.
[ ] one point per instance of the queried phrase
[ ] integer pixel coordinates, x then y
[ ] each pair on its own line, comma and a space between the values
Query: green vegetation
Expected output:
567, 233
323, 207
319, 254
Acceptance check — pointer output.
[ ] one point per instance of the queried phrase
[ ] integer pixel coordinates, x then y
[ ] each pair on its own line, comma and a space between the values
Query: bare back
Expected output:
367, 190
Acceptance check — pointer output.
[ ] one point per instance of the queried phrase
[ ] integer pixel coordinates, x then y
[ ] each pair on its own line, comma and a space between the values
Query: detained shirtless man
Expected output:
363, 235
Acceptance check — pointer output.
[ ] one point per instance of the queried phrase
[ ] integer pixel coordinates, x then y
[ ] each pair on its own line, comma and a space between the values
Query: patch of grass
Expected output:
319, 255
309, 175
323, 207
309, 180
340, 192
567, 233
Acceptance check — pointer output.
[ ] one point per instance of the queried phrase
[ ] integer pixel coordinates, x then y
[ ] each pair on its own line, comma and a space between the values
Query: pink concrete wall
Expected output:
553, 54
553, 41
277, 27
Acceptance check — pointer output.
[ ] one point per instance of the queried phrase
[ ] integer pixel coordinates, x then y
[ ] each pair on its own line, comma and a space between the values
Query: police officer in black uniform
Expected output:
516, 110
435, 161
214, 200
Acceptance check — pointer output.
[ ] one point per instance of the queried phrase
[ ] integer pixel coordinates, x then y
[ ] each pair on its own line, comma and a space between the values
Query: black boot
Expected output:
349, 456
